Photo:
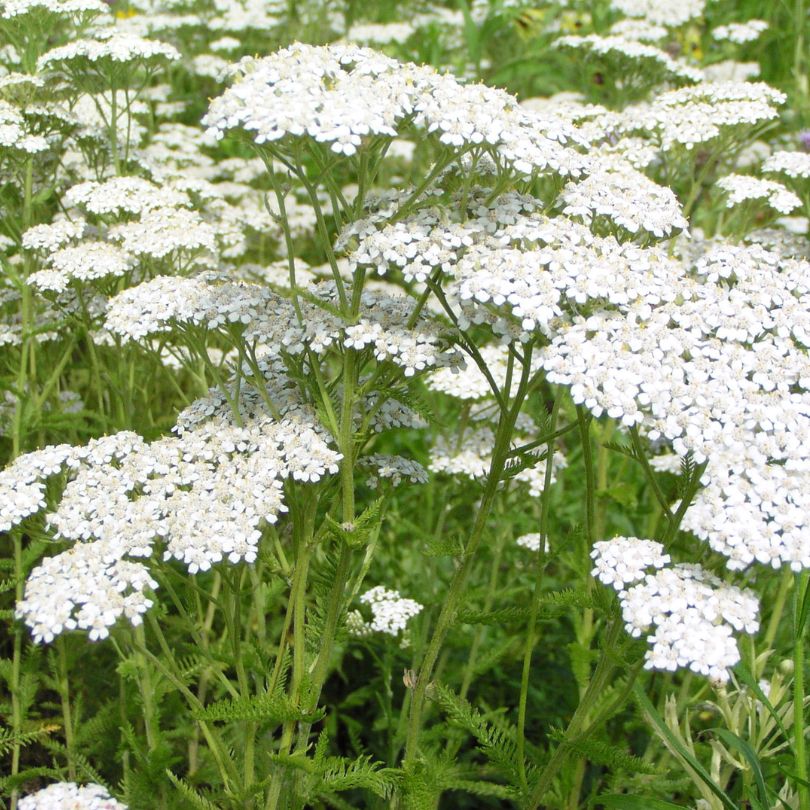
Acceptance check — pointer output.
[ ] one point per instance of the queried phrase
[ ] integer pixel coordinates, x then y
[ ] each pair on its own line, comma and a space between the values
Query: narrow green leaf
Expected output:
744, 675
733, 741
471, 35
655, 719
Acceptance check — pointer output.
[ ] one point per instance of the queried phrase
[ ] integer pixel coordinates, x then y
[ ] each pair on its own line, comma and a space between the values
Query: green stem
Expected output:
686, 501
27, 321
778, 609
16, 665
480, 635
641, 457
63, 683
218, 750
147, 692
600, 679
447, 614
584, 422
585, 628
540, 566
802, 766
235, 632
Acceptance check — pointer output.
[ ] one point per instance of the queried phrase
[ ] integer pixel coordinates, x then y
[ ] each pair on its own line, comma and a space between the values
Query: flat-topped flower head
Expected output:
740, 33
531, 541
202, 497
390, 611
741, 188
622, 560
379, 33
16, 135
269, 319
638, 30
87, 261
341, 94
627, 198
17, 10
123, 195
393, 470
470, 382
70, 796
49, 238
687, 614
109, 46
795, 165
652, 65
661, 12
690, 116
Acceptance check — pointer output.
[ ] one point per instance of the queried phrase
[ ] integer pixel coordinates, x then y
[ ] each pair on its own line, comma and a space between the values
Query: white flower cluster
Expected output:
379, 33
70, 796
667, 463
512, 267
22, 483
341, 94
627, 198
740, 188
392, 414
203, 495
638, 30
653, 63
791, 164
696, 115
470, 456
15, 132
11, 9
87, 261
623, 560
531, 541
661, 12
53, 236
394, 469
166, 232
756, 515
267, 319
109, 46
123, 195
122, 227
719, 370
740, 33
687, 614
390, 611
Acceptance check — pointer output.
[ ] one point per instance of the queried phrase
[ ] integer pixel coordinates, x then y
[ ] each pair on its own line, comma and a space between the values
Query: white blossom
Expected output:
740, 33
390, 611
791, 164
70, 796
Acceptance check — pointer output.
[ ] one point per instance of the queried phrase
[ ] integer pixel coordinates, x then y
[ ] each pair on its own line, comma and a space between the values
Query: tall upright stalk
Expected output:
800, 596
539, 570
500, 455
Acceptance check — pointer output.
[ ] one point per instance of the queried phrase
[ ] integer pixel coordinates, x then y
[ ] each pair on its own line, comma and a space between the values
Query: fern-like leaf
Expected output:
195, 798
8, 739
340, 774
265, 707
497, 743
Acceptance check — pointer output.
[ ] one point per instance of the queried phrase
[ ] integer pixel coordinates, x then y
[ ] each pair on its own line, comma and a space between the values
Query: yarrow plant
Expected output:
376, 436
